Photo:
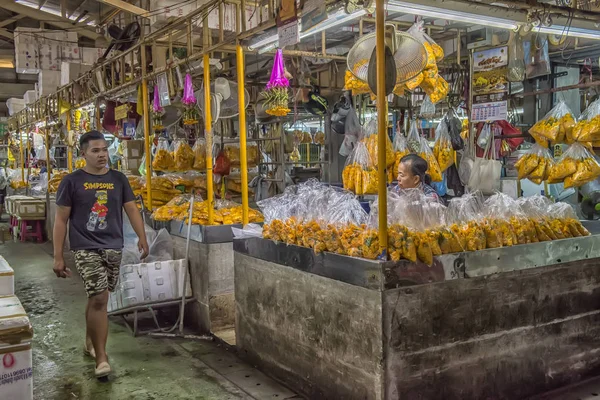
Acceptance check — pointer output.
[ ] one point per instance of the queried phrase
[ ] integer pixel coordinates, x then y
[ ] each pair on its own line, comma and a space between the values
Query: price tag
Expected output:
288, 34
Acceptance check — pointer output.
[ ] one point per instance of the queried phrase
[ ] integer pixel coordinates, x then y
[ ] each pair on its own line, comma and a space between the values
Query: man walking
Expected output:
92, 200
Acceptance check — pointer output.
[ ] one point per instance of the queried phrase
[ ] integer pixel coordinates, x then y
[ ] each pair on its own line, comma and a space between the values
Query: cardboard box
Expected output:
9, 202
131, 164
29, 208
133, 149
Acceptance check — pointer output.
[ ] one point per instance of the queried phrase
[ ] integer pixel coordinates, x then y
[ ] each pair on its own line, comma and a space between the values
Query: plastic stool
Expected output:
36, 231
12, 223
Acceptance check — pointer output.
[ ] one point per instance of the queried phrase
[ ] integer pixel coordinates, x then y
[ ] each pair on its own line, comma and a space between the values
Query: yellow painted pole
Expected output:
69, 146
209, 141
22, 153
243, 152
382, 118
147, 144
47, 140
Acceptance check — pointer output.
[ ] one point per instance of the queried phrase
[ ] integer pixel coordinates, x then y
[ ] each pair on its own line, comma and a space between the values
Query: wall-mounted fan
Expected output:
224, 99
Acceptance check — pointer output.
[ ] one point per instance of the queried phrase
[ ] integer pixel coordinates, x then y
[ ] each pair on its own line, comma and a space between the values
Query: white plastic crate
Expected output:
29, 208
16, 374
7, 279
9, 202
148, 283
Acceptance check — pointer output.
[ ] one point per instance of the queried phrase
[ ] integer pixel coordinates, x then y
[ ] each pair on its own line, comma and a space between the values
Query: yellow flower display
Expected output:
183, 156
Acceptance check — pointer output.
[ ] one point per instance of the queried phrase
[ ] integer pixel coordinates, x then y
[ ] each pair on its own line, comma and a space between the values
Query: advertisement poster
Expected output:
490, 84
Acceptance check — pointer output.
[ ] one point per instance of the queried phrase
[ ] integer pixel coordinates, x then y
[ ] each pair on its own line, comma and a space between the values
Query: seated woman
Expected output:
412, 174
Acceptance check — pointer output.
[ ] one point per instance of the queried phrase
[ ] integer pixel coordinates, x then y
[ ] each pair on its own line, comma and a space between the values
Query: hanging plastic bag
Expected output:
199, 155
535, 165
556, 126
433, 167
222, 164
576, 167
183, 156
413, 139
359, 175
537, 60
587, 128
427, 108
371, 140
455, 127
486, 171
516, 63
440, 90
442, 148
485, 136
400, 150
163, 160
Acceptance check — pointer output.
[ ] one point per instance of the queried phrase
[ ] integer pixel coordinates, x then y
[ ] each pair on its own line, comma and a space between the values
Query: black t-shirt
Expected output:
96, 201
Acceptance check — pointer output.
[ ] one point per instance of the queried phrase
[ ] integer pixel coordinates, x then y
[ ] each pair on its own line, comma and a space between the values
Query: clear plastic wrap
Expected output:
426, 153
163, 159
199, 155
359, 174
465, 216
413, 139
183, 156
370, 138
442, 148
400, 150
576, 167
571, 225
427, 108
535, 165
505, 223
556, 126
516, 63
587, 128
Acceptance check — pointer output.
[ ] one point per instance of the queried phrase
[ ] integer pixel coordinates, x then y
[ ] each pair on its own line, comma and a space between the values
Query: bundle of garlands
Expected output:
276, 93
157, 111
190, 112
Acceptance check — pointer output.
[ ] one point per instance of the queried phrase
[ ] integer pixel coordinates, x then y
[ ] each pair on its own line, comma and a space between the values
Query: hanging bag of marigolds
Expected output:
276, 92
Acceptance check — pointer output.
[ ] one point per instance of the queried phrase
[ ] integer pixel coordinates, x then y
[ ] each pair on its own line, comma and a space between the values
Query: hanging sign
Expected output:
121, 112
490, 85
288, 34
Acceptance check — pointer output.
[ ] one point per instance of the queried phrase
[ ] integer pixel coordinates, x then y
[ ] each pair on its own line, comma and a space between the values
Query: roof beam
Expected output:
6, 34
42, 3
11, 20
55, 20
63, 8
122, 5
81, 3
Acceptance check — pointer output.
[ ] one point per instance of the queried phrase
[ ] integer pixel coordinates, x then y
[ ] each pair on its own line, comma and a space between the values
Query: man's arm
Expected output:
60, 232
135, 218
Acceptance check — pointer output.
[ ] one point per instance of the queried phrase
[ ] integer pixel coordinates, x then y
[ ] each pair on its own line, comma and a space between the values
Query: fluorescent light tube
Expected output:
570, 32
338, 18
434, 12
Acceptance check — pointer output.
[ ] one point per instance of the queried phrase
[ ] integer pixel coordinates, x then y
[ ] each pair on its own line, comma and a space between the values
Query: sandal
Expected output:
102, 370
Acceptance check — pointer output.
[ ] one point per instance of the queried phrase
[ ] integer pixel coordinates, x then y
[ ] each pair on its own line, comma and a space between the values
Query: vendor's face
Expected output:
96, 153
406, 179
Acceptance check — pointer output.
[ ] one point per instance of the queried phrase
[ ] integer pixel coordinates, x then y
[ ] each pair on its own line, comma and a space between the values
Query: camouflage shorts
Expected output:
99, 269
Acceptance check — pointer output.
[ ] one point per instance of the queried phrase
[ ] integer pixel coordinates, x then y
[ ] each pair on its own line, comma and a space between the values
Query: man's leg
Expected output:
97, 324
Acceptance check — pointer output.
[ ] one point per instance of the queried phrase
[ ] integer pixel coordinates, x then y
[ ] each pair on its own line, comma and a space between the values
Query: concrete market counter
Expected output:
499, 323
211, 274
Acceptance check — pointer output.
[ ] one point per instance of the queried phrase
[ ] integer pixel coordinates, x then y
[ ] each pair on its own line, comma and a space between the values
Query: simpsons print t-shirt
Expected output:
96, 202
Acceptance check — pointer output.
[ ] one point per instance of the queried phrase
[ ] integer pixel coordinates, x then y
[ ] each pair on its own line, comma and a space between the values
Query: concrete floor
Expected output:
145, 368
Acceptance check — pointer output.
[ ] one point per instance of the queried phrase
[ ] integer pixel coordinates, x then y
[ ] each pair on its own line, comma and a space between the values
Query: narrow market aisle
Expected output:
145, 368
